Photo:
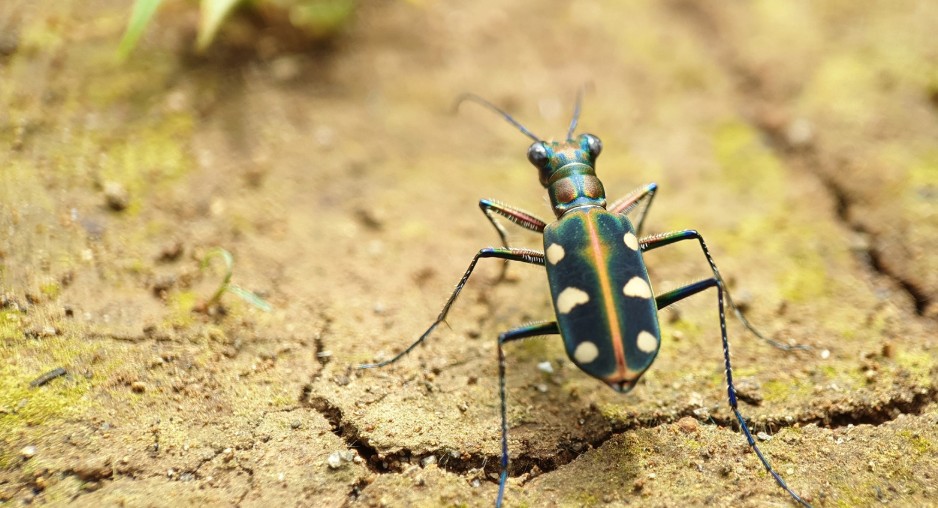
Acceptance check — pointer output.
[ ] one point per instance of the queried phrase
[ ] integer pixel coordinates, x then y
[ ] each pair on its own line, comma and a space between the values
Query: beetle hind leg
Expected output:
681, 293
522, 332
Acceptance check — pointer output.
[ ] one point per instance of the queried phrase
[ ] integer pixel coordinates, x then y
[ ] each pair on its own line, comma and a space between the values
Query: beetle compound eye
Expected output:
538, 156
593, 144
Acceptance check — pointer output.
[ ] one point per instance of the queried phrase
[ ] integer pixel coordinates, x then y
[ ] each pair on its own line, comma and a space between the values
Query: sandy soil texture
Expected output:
799, 137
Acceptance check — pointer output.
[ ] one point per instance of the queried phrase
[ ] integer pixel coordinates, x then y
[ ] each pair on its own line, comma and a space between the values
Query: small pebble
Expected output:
371, 218
429, 459
170, 251
542, 388
763, 436
800, 133
93, 468
116, 196
545, 367
28, 452
888, 350
338, 459
138, 386
687, 424
825, 354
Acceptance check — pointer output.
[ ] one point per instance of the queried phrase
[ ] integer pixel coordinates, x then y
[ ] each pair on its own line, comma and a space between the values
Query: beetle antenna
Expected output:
576, 114
471, 97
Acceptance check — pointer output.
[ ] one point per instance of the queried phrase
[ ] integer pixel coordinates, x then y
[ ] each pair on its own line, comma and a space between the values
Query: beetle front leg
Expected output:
625, 205
662, 239
523, 255
522, 332
524, 219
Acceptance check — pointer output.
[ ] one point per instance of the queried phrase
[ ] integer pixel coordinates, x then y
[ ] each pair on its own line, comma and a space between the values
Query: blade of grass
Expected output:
140, 16
229, 270
226, 284
249, 297
213, 14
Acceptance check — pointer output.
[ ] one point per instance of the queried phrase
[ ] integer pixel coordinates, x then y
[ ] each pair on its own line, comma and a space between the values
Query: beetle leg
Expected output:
660, 240
490, 208
523, 255
522, 332
676, 295
625, 205
679, 294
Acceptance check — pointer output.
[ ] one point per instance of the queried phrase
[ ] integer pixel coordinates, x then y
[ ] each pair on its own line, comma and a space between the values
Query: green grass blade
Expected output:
249, 297
229, 270
140, 17
213, 14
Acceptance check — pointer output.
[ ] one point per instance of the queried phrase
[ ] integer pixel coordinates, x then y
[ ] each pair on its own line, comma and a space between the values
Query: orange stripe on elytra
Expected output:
602, 271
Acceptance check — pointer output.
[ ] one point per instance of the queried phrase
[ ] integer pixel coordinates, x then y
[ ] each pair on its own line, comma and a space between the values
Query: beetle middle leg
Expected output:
524, 255
662, 239
522, 332
520, 217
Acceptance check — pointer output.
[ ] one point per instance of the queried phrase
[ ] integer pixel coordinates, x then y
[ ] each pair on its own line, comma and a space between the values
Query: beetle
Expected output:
606, 311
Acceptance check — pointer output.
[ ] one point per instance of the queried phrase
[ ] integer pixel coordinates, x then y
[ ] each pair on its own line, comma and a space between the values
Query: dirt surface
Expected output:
799, 137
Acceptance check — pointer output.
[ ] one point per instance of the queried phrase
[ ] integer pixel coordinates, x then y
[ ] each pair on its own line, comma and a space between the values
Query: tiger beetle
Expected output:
606, 312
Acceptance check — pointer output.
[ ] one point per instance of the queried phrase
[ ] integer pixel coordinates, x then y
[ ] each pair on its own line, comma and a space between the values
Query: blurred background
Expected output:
210, 212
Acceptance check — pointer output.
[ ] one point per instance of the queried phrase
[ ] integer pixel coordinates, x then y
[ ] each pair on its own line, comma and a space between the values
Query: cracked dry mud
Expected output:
798, 137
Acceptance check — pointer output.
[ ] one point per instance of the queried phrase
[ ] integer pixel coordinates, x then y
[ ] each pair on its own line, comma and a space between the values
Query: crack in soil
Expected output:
807, 157
853, 413
752, 90
528, 466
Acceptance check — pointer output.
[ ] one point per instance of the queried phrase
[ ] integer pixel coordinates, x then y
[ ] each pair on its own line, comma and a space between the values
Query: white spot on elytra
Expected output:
646, 342
586, 352
638, 288
555, 253
570, 298
631, 241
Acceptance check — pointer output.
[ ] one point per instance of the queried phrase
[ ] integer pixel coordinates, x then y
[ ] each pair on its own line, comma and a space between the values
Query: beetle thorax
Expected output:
574, 186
